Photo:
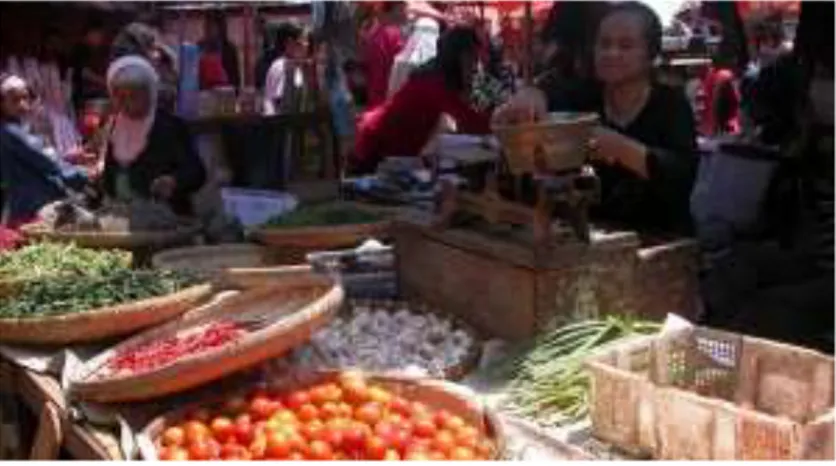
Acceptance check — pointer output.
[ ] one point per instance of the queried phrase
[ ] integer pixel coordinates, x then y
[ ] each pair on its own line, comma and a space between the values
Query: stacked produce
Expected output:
380, 340
158, 353
72, 294
49, 260
328, 214
137, 215
549, 383
349, 419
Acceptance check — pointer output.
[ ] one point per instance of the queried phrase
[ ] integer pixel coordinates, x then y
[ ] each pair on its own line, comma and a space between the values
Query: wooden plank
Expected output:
49, 436
494, 297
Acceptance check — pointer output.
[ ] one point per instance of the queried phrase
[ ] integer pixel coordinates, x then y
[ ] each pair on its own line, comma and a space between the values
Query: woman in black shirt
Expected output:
644, 152
150, 154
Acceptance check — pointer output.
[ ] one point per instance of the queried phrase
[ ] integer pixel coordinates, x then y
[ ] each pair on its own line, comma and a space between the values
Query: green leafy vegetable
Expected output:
47, 260
324, 215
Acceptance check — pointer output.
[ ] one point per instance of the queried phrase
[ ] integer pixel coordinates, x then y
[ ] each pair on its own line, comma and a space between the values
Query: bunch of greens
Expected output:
324, 215
71, 294
48, 260
549, 382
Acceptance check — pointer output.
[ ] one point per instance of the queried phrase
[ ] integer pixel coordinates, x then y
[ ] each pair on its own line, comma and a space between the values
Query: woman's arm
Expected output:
468, 119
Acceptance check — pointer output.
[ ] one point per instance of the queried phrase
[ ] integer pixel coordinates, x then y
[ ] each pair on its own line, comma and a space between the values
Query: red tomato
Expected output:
222, 429
380, 395
307, 412
313, 430
320, 451
200, 450
424, 428
391, 455
417, 456
334, 437
277, 447
369, 413
467, 436
234, 452
258, 447
178, 454
354, 439
401, 406
345, 410
164, 454
244, 432
329, 410
333, 393
195, 431
355, 391
261, 408
174, 437
296, 456
319, 394
375, 448
420, 410
454, 423
437, 456
444, 442
462, 454
441, 417
296, 399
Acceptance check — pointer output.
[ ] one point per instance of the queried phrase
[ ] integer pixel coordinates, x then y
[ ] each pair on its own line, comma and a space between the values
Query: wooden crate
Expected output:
705, 394
506, 288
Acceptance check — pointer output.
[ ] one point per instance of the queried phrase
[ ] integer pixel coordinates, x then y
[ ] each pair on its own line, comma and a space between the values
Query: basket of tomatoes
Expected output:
330, 415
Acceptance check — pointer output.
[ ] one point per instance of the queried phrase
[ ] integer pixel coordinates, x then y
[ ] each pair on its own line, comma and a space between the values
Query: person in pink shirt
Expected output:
380, 47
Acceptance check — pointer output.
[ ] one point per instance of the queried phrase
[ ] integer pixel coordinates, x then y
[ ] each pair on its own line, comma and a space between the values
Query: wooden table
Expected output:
44, 397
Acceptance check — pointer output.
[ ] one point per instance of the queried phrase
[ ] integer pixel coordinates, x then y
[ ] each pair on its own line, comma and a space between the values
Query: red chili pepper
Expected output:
157, 353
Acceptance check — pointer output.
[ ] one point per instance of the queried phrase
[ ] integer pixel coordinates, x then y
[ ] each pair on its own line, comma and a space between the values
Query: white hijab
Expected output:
419, 49
128, 137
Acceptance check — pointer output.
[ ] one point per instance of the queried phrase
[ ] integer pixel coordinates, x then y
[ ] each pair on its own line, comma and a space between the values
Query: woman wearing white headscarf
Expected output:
419, 49
150, 154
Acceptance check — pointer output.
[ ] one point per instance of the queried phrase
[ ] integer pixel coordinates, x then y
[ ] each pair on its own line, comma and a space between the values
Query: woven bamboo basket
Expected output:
233, 265
555, 144
291, 310
291, 245
133, 240
102, 323
456, 372
704, 394
435, 394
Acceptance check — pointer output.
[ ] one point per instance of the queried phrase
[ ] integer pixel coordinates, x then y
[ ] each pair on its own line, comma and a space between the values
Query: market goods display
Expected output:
139, 224
48, 260
343, 417
329, 214
322, 227
154, 354
77, 294
215, 340
137, 215
549, 382
380, 336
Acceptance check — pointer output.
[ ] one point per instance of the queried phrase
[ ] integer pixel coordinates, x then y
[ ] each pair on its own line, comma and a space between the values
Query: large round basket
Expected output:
554, 144
454, 372
133, 240
102, 323
291, 245
285, 315
435, 394
235, 265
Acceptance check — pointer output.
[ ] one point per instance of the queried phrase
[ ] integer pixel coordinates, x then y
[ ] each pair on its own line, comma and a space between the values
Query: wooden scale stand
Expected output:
568, 194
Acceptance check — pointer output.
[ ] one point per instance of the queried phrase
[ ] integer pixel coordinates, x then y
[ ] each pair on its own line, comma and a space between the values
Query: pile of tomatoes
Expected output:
347, 419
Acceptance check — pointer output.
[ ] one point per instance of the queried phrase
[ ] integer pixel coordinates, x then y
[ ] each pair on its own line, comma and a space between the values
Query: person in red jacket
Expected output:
404, 124
380, 46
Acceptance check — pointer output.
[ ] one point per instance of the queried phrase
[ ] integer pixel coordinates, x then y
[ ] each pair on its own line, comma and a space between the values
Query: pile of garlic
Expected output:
381, 340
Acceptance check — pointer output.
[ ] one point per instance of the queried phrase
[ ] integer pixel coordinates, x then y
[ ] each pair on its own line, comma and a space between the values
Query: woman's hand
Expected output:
529, 104
163, 187
613, 148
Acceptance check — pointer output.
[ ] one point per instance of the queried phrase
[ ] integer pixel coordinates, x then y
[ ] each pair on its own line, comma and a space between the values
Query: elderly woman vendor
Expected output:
31, 173
150, 154
644, 151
